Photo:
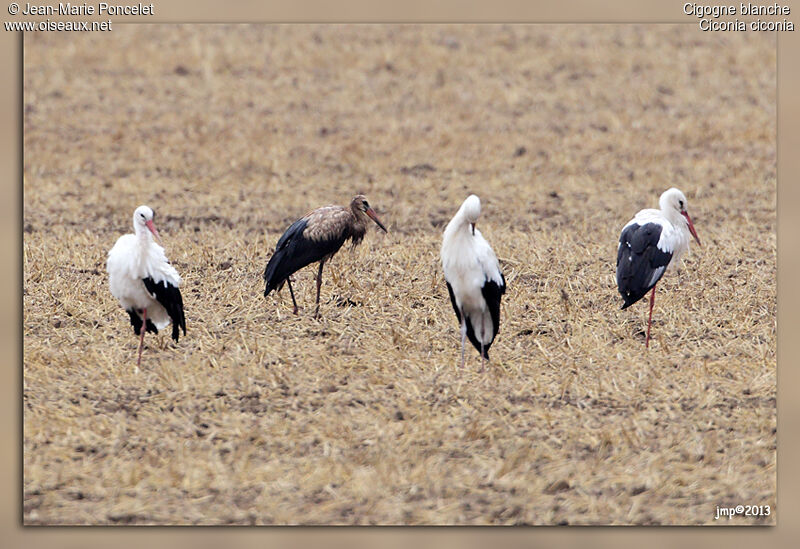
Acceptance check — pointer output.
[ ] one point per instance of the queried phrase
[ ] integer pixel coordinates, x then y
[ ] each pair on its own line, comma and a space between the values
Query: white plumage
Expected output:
675, 232
473, 277
142, 279
651, 243
128, 264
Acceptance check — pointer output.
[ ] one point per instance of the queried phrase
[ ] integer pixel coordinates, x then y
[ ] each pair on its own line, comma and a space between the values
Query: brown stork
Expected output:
317, 236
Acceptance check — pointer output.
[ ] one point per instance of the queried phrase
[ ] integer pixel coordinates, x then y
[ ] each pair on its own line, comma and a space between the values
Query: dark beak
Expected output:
691, 226
371, 213
473, 228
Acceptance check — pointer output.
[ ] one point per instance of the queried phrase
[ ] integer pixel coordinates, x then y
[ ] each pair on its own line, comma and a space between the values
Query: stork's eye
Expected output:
680, 203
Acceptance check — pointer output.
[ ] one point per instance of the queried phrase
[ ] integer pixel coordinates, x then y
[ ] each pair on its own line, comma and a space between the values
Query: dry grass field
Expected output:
364, 417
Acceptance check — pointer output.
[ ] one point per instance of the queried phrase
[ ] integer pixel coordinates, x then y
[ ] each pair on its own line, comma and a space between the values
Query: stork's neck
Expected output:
143, 236
360, 219
358, 227
676, 218
458, 226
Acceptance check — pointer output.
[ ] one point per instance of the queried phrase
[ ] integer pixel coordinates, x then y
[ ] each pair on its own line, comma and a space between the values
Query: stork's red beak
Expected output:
691, 226
149, 225
371, 213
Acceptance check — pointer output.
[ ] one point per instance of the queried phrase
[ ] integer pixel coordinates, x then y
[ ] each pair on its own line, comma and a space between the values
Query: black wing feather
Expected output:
170, 298
453, 301
470, 330
294, 251
474, 340
136, 322
640, 264
492, 293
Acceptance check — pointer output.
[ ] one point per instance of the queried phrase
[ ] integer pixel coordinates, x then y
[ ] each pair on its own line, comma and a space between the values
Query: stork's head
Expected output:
143, 220
471, 210
673, 200
361, 207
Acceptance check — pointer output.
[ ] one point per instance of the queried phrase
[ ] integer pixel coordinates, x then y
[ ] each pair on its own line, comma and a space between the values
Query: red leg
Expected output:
650, 318
463, 337
141, 336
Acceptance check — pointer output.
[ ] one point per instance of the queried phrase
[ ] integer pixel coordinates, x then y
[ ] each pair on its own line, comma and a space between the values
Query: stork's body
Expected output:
317, 236
652, 242
474, 280
144, 282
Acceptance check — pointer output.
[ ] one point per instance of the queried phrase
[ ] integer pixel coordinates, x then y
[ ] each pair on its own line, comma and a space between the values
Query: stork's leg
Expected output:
463, 336
650, 318
141, 337
483, 330
291, 292
319, 285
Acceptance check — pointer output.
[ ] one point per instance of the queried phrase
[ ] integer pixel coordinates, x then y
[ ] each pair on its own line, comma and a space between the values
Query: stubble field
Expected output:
258, 416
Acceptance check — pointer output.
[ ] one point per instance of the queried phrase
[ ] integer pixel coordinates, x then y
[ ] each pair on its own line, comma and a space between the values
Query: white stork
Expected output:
651, 242
317, 236
473, 278
144, 282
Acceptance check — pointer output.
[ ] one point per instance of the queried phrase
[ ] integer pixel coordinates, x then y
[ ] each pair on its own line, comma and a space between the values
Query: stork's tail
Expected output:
270, 277
269, 288
629, 298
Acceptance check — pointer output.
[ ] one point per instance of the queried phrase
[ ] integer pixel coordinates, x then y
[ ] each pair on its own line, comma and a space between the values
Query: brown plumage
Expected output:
317, 236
